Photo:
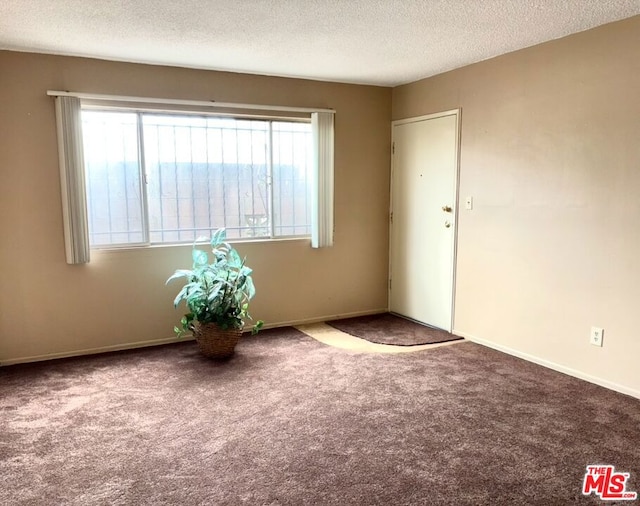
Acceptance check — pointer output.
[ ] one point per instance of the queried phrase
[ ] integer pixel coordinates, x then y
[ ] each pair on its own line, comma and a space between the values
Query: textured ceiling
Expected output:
381, 42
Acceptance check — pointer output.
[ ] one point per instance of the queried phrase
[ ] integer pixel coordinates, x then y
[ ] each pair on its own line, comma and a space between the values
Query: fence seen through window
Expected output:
164, 178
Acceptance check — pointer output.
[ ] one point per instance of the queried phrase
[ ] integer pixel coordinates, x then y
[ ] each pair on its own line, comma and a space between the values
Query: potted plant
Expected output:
217, 296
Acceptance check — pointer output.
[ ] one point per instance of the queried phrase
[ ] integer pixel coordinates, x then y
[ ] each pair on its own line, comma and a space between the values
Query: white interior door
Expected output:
424, 192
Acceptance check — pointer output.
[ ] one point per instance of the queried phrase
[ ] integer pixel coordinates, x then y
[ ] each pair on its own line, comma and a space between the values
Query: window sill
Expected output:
148, 247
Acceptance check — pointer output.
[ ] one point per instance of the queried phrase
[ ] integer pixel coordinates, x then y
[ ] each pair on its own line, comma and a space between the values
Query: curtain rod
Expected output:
197, 103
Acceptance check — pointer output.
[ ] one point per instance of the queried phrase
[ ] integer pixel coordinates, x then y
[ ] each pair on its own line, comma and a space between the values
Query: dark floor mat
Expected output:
388, 328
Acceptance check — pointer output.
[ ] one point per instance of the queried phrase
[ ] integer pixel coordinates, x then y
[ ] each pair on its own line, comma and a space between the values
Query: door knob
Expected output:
447, 224
446, 209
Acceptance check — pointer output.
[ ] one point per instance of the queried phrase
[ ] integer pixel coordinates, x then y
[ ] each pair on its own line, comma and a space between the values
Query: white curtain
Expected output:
322, 201
74, 201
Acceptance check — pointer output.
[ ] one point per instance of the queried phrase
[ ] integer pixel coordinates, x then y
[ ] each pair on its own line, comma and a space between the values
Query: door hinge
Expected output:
393, 148
389, 284
391, 217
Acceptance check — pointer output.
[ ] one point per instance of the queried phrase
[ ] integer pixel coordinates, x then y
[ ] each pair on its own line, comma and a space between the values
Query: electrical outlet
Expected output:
597, 334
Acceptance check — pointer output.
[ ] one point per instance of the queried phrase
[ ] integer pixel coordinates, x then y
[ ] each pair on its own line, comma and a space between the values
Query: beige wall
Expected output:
551, 154
49, 307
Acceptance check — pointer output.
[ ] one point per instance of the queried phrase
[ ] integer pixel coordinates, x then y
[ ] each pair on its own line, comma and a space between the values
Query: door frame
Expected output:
456, 198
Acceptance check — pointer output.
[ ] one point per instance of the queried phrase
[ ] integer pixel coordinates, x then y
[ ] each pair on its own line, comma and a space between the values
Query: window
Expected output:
134, 176
166, 178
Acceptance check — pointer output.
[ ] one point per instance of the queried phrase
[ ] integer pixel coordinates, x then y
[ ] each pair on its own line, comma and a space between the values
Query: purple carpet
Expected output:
290, 421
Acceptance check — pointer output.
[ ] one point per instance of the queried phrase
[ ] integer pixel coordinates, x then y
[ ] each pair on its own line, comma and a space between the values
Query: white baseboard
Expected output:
168, 340
94, 351
319, 319
552, 365
306, 321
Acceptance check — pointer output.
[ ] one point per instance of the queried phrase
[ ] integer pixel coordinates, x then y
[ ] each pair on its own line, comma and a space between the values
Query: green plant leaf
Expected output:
234, 259
215, 292
180, 273
250, 288
181, 295
218, 237
256, 328
199, 257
